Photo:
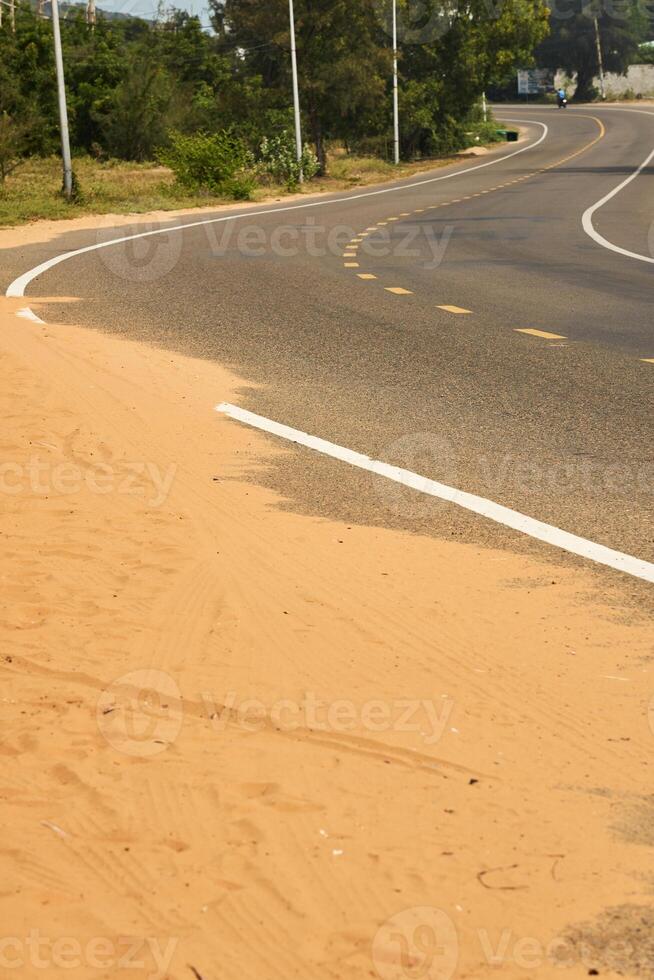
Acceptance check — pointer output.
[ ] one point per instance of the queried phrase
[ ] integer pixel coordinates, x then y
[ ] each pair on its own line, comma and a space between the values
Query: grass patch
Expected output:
33, 191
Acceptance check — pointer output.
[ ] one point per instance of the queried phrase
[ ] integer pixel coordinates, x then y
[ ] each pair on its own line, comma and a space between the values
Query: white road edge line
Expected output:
19, 285
636, 567
587, 217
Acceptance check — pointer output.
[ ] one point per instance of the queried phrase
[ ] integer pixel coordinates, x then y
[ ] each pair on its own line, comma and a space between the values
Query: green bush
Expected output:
278, 158
481, 133
209, 162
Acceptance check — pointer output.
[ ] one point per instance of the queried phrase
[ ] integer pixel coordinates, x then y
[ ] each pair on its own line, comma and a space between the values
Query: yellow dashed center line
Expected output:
541, 333
459, 310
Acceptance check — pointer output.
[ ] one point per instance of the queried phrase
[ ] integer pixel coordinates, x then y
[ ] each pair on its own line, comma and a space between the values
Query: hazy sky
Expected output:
148, 8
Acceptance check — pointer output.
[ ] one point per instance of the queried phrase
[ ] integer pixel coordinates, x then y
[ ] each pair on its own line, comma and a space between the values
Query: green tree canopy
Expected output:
572, 45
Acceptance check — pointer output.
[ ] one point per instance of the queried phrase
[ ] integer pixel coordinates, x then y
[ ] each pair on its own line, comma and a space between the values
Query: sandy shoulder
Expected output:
344, 724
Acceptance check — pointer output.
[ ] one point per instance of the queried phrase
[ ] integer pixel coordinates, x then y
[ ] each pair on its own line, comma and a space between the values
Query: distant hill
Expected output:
74, 8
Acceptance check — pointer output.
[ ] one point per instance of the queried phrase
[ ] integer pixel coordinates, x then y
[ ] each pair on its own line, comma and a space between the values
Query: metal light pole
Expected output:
600, 60
396, 111
296, 91
63, 110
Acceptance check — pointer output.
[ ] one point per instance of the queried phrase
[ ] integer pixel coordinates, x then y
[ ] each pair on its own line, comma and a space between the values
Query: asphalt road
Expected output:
557, 427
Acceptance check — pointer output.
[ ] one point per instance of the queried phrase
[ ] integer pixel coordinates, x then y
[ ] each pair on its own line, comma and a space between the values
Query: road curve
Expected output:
464, 326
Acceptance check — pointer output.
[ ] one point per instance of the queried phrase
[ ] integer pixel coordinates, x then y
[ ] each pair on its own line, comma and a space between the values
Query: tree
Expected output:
454, 57
133, 117
12, 146
449, 50
344, 59
572, 45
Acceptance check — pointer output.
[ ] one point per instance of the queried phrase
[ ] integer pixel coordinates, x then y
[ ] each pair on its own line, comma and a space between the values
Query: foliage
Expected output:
131, 83
12, 144
132, 118
572, 44
447, 56
207, 161
278, 158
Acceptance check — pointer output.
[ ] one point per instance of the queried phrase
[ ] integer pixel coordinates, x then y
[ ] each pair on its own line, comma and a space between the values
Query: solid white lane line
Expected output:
636, 567
27, 314
19, 285
587, 218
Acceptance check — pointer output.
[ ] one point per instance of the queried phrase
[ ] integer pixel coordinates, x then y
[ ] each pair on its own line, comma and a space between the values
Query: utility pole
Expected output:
90, 14
484, 106
600, 60
63, 110
12, 15
396, 111
296, 91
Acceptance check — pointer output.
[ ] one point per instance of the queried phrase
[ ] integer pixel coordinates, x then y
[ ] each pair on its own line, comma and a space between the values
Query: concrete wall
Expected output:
639, 80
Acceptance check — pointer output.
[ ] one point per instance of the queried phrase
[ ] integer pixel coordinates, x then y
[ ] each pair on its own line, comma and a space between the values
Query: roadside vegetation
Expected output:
167, 114
32, 192
625, 32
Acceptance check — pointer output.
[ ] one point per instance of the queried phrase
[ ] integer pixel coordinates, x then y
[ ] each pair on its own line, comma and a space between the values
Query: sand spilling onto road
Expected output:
242, 743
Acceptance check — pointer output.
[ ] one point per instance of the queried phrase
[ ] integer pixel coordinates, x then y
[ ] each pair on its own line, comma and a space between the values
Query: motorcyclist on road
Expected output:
561, 97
